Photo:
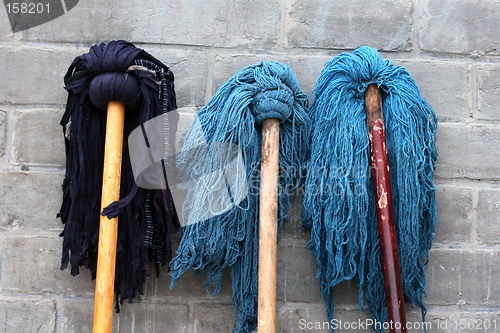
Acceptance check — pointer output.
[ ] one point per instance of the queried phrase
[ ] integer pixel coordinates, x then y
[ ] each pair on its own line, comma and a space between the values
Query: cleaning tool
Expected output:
133, 87
340, 205
237, 114
108, 228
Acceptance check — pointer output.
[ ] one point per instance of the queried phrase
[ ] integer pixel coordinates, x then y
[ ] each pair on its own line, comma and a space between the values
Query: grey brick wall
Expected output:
451, 48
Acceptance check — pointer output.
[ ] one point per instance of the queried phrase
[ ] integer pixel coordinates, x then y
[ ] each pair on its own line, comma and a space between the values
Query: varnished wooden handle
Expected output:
385, 211
268, 229
106, 259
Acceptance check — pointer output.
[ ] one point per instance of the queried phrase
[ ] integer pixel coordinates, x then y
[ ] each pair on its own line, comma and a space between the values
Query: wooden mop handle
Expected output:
106, 259
268, 229
385, 212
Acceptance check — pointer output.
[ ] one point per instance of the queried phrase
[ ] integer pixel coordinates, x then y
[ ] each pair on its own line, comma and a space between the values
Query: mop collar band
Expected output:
274, 91
108, 87
273, 103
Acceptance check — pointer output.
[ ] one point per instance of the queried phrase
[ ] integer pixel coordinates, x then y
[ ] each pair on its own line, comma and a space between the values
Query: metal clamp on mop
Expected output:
373, 152
113, 89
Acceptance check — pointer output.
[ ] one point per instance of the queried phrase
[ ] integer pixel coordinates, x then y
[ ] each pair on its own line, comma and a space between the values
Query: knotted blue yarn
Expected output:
234, 114
339, 201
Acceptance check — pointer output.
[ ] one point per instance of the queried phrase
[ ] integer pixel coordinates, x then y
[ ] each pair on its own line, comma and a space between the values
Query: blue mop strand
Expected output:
339, 201
234, 114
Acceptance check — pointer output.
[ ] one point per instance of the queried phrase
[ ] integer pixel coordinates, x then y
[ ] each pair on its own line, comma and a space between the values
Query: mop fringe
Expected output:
234, 114
113, 71
339, 200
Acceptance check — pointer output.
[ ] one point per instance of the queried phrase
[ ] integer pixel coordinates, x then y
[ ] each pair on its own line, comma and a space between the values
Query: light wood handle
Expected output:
106, 259
268, 229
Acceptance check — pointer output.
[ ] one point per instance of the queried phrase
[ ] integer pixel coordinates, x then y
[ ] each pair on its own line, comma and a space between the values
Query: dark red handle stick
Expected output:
385, 212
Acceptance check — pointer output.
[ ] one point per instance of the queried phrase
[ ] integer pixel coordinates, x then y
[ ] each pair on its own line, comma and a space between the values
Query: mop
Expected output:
144, 87
340, 206
237, 114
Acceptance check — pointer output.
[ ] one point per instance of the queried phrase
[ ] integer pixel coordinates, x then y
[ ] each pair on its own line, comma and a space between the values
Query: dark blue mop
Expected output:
116, 71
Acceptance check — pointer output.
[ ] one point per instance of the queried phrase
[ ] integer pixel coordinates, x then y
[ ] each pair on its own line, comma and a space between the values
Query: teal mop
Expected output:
231, 239
340, 205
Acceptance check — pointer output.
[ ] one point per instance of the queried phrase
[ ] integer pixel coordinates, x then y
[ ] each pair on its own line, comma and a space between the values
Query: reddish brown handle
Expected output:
385, 211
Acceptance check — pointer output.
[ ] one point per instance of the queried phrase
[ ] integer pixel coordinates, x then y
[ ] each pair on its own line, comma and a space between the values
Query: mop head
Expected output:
339, 200
231, 239
116, 71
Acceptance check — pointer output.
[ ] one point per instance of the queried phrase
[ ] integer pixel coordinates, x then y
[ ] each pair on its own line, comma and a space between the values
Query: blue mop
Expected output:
339, 202
231, 239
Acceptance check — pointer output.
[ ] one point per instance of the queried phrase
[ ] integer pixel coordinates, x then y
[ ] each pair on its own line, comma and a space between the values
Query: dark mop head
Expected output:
116, 71
233, 115
339, 201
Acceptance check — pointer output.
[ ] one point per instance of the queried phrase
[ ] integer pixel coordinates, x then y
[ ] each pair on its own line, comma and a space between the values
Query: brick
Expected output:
446, 26
155, 318
296, 277
77, 316
229, 24
306, 68
2, 133
213, 318
463, 277
351, 320
306, 317
432, 320
488, 213
476, 321
32, 265
454, 214
439, 320
477, 161
27, 315
30, 200
188, 284
301, 317
190, 70
297, 268
444, 85
293, 228
34, 74
488, 92
380, 24
296, 273
463, 320
186, 117
37, 138
226, 66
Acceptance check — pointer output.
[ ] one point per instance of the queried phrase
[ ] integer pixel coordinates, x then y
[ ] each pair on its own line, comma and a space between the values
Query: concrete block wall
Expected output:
452, 50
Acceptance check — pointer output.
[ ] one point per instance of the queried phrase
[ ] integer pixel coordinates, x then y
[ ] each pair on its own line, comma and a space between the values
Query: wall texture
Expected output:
451, 48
